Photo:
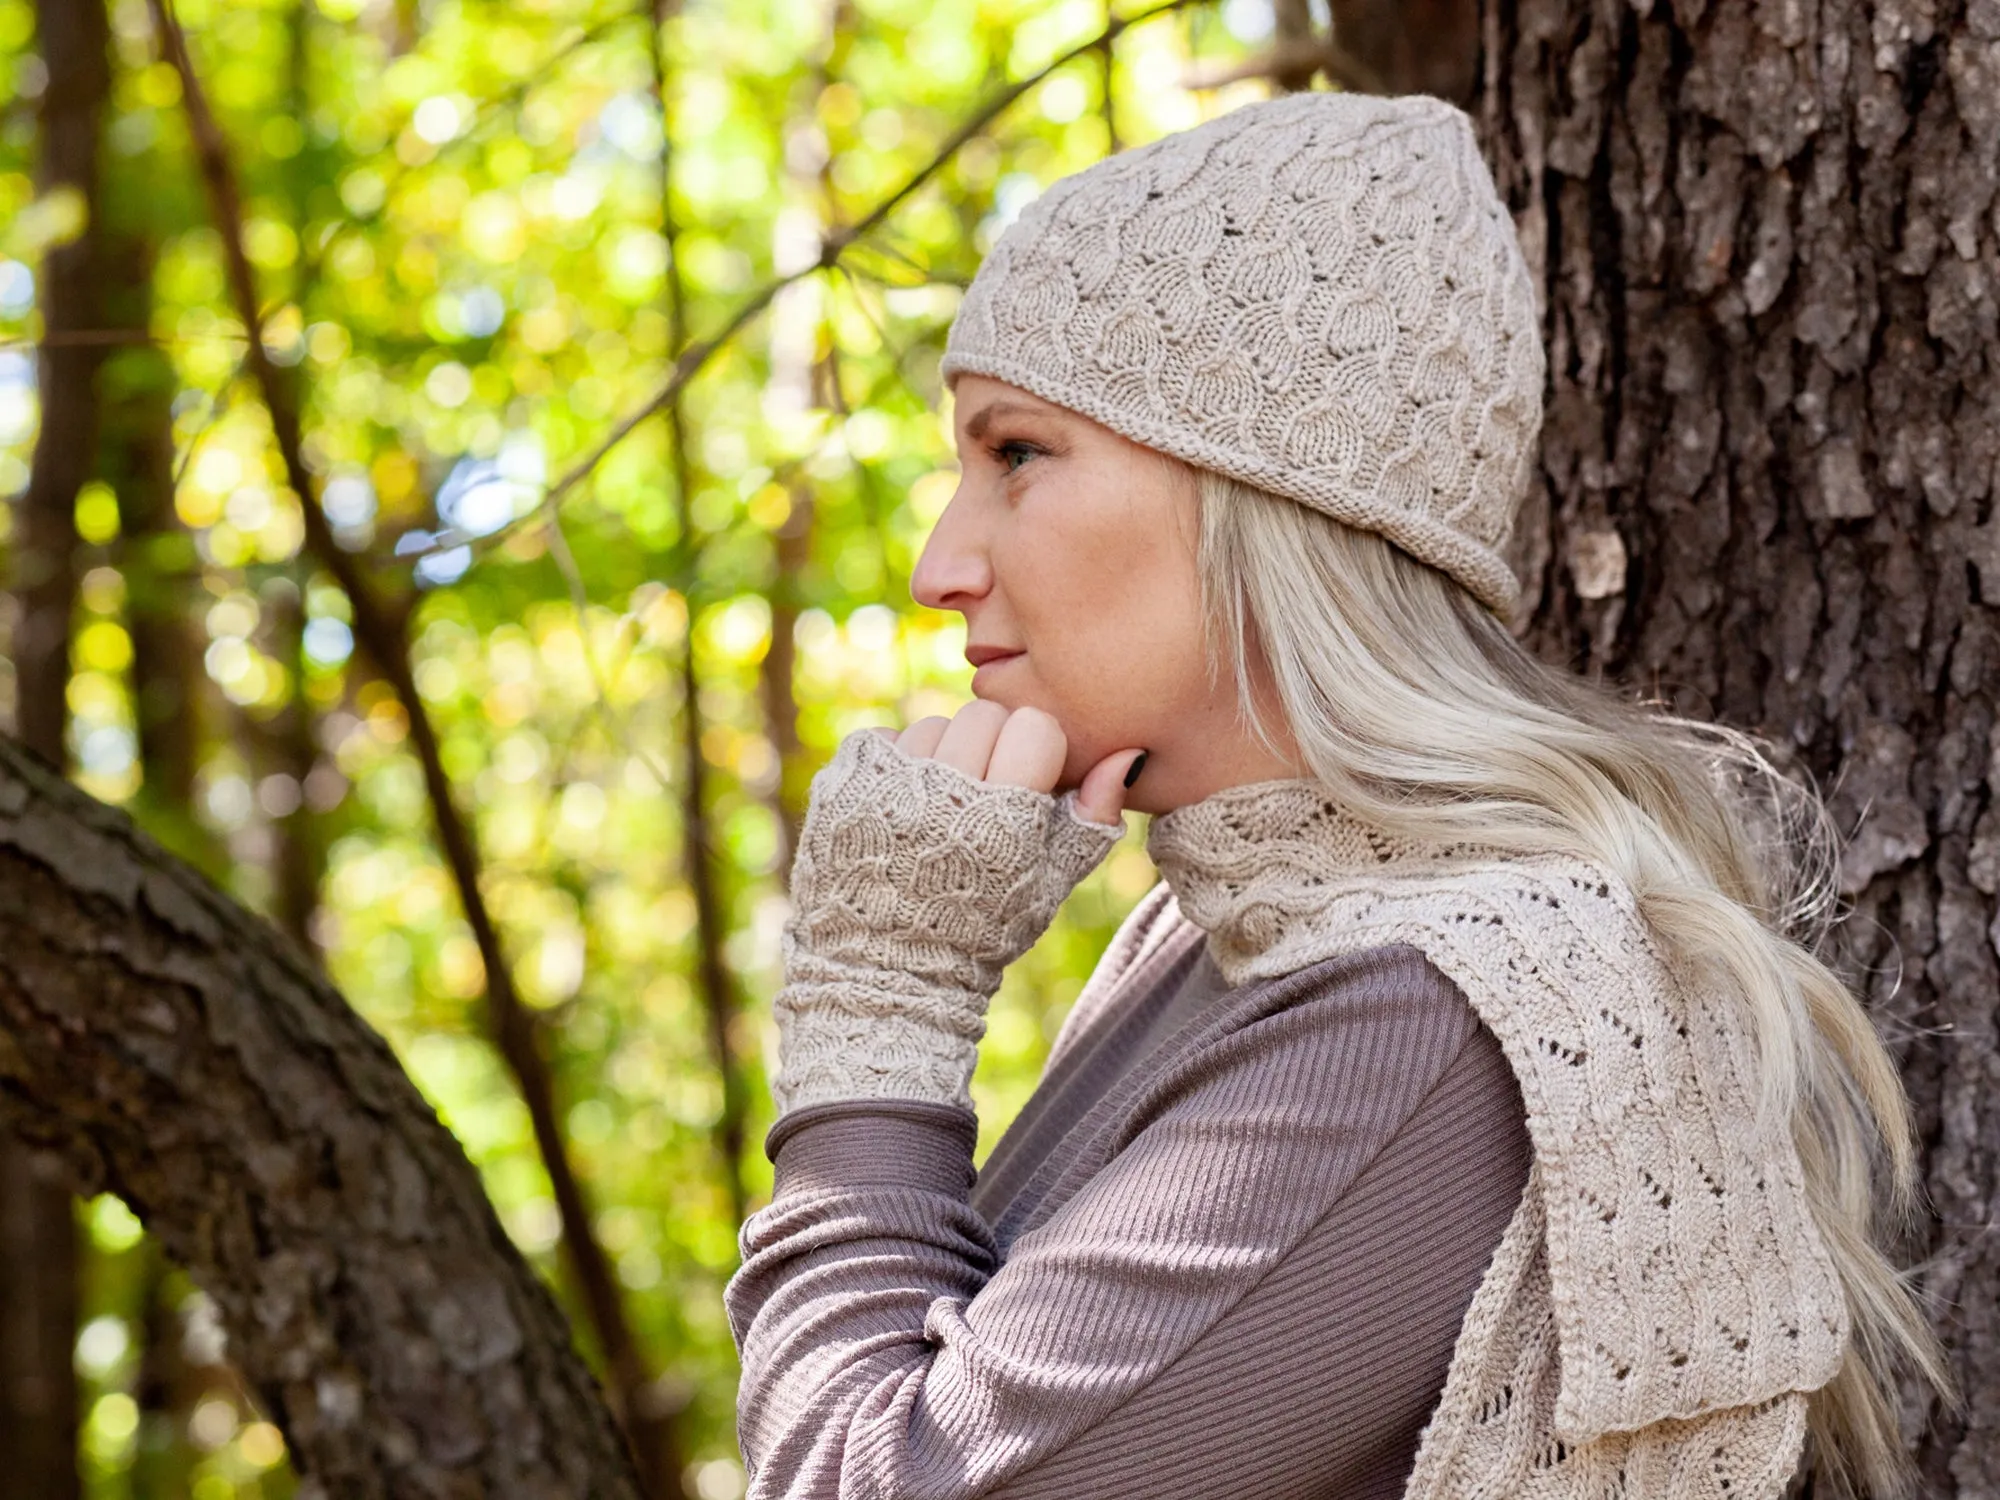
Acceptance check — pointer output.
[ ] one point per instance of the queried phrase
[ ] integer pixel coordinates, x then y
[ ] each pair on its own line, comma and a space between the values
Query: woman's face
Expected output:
1070, 550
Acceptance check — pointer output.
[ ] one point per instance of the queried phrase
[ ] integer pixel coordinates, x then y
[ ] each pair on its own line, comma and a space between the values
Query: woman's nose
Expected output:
953, 569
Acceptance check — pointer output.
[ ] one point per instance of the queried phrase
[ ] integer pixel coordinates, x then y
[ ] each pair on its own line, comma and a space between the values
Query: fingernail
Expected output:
1132, 771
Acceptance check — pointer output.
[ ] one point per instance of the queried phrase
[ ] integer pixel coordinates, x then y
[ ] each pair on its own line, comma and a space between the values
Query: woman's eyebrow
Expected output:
976, 427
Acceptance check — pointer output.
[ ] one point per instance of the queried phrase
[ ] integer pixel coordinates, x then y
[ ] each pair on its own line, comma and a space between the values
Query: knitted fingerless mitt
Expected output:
914, 886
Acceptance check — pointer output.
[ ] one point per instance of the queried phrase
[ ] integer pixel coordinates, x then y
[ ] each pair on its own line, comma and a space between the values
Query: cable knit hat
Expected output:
1320, 294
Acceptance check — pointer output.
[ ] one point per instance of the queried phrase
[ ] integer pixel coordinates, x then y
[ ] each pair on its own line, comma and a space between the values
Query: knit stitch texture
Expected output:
1321, 295
914, 886
1662, 1300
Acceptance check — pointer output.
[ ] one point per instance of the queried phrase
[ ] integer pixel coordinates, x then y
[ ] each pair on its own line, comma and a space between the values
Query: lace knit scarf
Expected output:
1661, 1302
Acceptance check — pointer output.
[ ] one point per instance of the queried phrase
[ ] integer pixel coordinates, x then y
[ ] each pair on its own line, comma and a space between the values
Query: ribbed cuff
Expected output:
874, 1143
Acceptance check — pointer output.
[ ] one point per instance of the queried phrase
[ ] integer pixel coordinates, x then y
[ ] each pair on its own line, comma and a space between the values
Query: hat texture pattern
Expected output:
1321, 295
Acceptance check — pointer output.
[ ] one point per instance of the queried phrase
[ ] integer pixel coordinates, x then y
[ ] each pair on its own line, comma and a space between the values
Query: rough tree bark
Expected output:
181, 1053
1770, 259
39, 1245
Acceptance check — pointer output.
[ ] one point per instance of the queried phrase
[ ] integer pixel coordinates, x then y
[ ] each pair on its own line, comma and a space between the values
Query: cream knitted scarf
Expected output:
1659, 1305
1661, 1302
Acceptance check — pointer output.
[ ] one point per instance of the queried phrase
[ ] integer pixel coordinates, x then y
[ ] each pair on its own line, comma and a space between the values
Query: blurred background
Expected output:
477, 763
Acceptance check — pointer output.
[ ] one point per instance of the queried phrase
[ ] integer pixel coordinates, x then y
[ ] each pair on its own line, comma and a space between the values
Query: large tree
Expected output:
1766, 239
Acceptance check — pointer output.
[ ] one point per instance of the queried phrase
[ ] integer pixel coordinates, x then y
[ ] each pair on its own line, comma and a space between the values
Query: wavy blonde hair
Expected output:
1417, 708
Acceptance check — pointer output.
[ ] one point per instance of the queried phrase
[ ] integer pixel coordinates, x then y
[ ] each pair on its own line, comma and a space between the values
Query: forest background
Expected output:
601, 341
476, 233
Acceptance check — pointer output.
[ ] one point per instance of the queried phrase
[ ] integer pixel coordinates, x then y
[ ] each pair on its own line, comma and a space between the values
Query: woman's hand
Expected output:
928, 861
1020, 747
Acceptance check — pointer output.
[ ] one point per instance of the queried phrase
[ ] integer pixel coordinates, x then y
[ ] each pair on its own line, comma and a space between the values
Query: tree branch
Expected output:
1291, 62
179, 1052
695, 357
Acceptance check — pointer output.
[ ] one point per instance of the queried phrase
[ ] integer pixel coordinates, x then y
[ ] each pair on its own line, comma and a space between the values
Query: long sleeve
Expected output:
1296, 1198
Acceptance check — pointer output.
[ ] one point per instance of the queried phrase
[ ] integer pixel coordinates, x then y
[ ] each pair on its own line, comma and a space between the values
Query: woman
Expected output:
1467, 1112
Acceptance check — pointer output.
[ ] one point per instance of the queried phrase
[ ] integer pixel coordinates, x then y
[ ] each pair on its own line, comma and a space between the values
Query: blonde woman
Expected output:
1467, 1112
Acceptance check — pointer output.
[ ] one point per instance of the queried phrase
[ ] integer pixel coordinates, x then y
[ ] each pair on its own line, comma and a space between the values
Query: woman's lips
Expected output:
985, 661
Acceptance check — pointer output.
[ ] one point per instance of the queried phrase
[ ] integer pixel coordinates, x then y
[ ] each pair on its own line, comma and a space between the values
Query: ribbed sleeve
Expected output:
1235, 1264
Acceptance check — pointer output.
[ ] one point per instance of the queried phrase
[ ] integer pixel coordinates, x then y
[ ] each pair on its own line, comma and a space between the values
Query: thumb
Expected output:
1100, 797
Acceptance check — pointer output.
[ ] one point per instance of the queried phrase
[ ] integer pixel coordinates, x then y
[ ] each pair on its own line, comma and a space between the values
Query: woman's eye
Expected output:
1001, 450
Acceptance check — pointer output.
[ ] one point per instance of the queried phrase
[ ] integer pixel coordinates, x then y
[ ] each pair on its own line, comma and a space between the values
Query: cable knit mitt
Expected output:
915, 885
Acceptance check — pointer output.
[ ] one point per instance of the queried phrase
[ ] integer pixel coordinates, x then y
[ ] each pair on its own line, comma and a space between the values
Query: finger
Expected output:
1101, 797
922, 737
968, 740
1030, 751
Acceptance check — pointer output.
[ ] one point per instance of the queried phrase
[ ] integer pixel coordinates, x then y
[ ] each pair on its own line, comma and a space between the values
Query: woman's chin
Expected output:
990, 682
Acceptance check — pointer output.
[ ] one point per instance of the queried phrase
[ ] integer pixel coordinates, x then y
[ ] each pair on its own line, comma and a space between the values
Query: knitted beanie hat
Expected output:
1319, 294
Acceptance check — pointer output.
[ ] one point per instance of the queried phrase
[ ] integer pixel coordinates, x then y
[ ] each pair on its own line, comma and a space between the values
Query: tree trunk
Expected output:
284, 743
38, 1238
716, 985
287, 741
1766, 243
1294, 32
38, 1313
179, 1052
156, 558
1413, 46
803, 378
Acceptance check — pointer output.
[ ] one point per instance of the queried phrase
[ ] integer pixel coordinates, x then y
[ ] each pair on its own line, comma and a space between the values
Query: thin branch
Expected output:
695, 357
718, 989
217, 405
380, 633
993, 107
690, 364
579, 598
87, 337
926, 275
120, 337
488, 110
1297, 58
871, 494
1108, 94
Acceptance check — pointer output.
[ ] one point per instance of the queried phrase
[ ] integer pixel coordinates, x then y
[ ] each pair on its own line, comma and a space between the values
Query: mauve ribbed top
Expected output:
1225, 1249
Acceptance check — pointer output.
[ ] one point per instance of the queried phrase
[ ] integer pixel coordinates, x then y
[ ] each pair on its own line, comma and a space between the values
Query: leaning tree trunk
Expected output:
181, 1053
1767, 243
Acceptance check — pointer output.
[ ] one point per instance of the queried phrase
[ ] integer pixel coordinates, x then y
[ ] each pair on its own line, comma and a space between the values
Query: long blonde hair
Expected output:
1417, 709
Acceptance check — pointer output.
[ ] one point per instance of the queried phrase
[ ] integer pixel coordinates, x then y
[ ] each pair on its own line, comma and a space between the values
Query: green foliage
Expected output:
455, 211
